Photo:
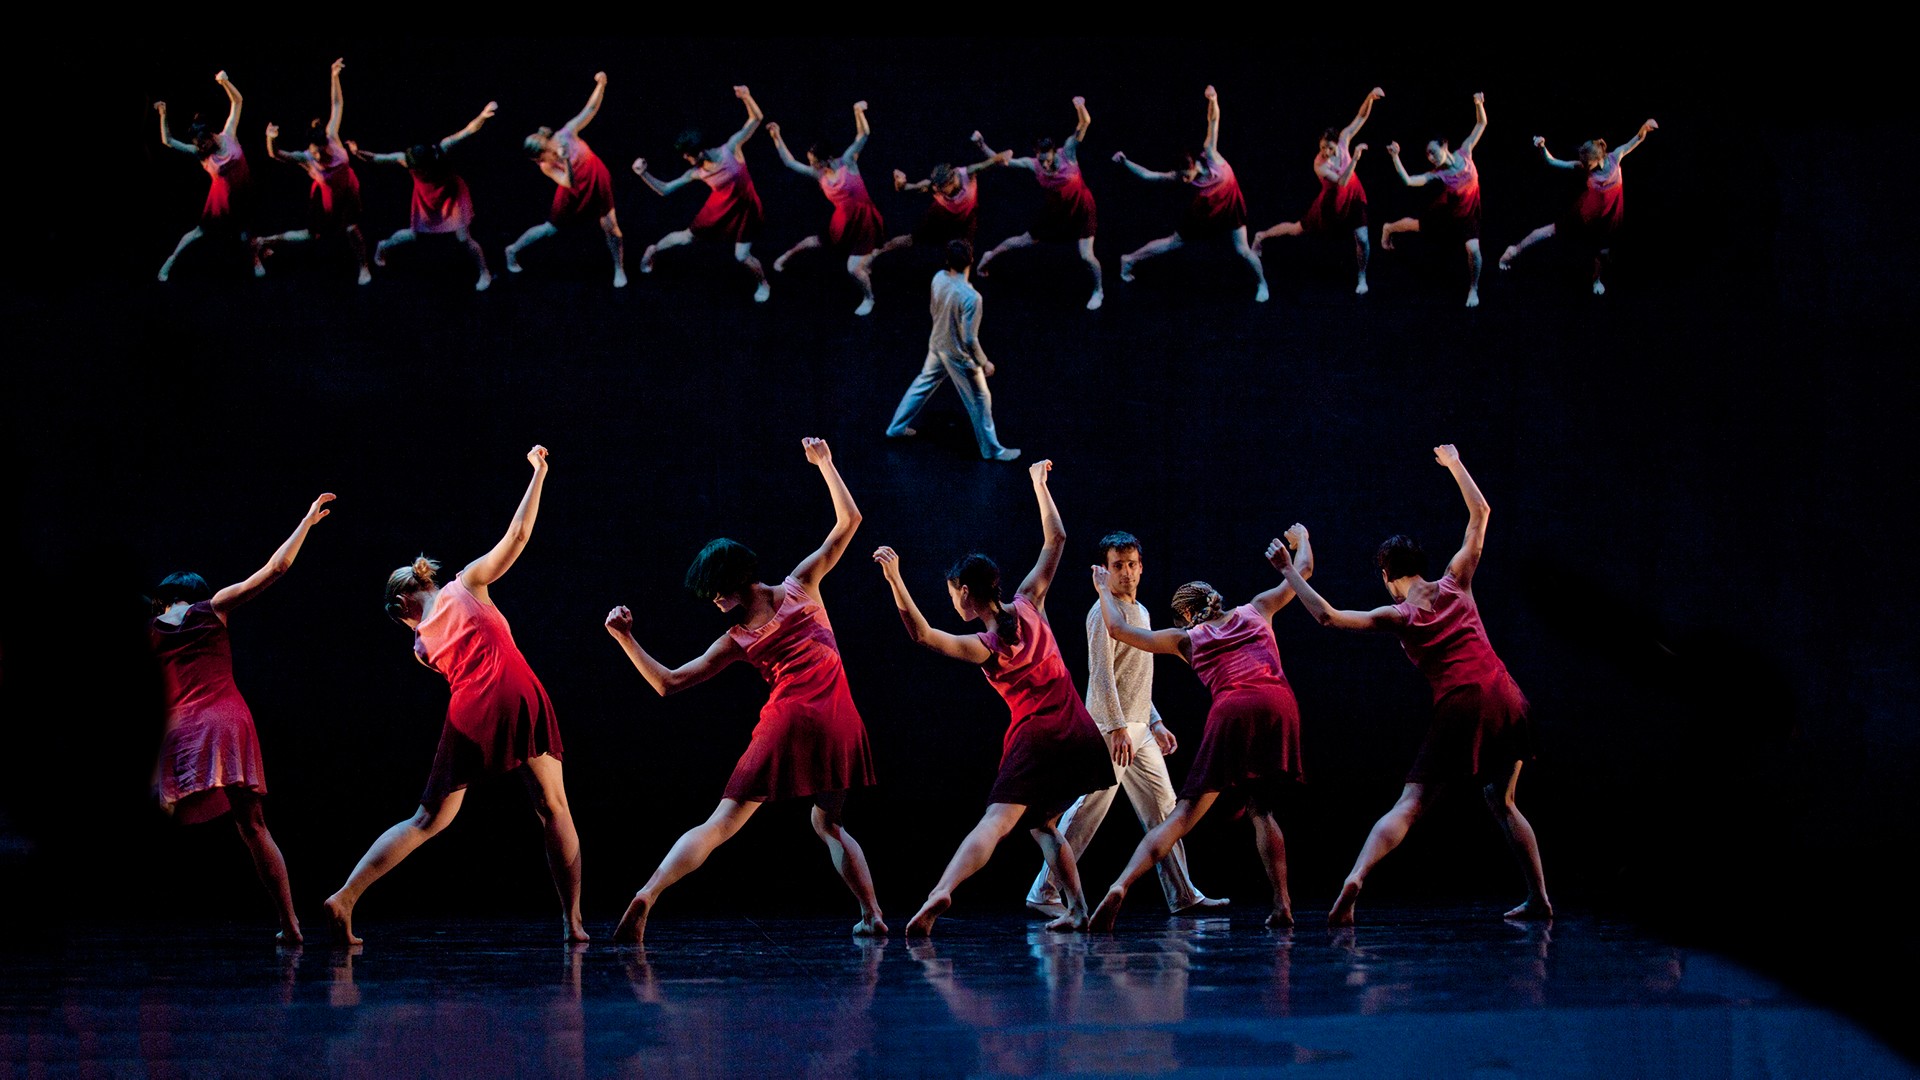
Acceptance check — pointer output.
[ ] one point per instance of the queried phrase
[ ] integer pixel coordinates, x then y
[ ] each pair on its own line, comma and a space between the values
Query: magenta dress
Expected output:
589, 194
1068, 214
1339, 207
1455, 212
1252, 740
1595, 216
1480, 721
1053, 752
229, 189
810, 739
210, 742
856, 228
951, 217
1218, 207
732, 213
333, 202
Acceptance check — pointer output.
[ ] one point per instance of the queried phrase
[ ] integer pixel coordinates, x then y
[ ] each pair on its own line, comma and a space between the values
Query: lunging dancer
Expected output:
226, 212
732, 212
584, 185
954, 213
810, 742
1251, 747
1480, 731
1454, 215
1052, 753
1068, 215
1594, 218
441, 201
498, 721
210, 757
333, 202
1218, 208
856, 227
1341, 205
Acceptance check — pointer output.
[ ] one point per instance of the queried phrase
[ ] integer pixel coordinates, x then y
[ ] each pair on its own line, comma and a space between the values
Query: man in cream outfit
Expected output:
954, 352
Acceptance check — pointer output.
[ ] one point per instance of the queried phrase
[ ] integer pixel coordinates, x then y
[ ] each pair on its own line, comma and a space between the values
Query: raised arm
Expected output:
232, 127
754, 116
166, 138
861, 130
1271, 601
396, 158
1053, 538
659, 186
663, 679
959, 647
900, 183
1380, 618
1081, 121
1625, 148
488, 568
1173, 640
1467, 559
846, 519
1360, 118
1212, 143
786, 156
473, 126
1479, 125
1546, 155
234, 595
292, 157
1393, 151
1141, 172
592, 108
336, 103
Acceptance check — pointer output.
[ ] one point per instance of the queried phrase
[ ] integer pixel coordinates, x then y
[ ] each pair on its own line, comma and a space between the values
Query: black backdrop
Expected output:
1696, 480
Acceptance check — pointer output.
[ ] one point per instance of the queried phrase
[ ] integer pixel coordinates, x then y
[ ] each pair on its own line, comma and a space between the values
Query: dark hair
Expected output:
1593, 150
406, 581
820, 151
174, 588
688, 142
959, 255
1331, 135
1401, 556
428, 159
723, 568
980, 576
1042, 144
1442, 140
1116, 541
1196, 602
203, 135
317, 133
942, 173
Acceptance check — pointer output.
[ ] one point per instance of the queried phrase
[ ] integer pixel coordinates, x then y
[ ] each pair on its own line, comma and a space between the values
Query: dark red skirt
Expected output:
942, 226
733, 218
1046, 767
1067, 215
442, 207
1336, 209
228, 200
1251, 744
591, 196
799, 750
334, 205
1477, 733
1593, 220
1212, 216
492, 741
1452, 220
856, 229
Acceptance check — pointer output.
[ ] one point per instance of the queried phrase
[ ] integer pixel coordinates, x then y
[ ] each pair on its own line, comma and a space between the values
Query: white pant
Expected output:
1151, 792
970, 379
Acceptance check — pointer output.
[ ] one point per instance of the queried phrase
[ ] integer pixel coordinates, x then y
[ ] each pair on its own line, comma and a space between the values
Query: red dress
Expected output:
210, 742
441, 203
732, 212
499, 717
1053, 752
1068, 213
1218, 207
856, 228
333, 202
1455, 211
951, 217
1252, 739
1480, 721
1596, 215
589, 194
1338, 207
809, 739
229, 188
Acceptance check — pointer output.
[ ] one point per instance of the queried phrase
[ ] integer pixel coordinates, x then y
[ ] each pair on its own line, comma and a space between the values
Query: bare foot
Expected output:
1203, 905
922, 924
380, 255
1473, 297
366, 276
1126, 270
1281, 919
1342, 913
865, 308
646, 259
1108, 912
633, 925
1048, 908
619, 277
165, 269
289, 936
1007, 453
341, 916
1094, 301
1069, 923
780, 265
513, 261
1361, 289
576, 932
760, 294
485, 282
1507, 257
1599, 289
1530, 911
871, 926
1260, 294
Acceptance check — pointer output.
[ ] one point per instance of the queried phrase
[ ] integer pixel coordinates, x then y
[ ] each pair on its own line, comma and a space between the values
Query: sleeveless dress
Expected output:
1068, 214
441, 202
229, 189
1338, 207
1251, 745
732, 212
1053, 752
1480, 723
856, 228
1595, 217
499, 716
1218, 207
951, 217
590, 196
1455, 212
333, 202
210, 742
810, 738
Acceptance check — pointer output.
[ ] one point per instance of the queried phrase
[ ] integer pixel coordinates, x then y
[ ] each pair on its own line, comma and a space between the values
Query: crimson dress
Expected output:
856, 228
210, 743
441, 202
1338, 207
1068, 213
951, 217
1455, 212
1053, 752
732, 212
333, 202
499, 717
1480, 721
229, 189
589, 194
1251, 745
1218, 207
810, 738
1595, 216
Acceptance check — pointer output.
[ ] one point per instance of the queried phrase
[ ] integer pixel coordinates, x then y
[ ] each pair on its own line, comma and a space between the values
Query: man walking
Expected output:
954, 352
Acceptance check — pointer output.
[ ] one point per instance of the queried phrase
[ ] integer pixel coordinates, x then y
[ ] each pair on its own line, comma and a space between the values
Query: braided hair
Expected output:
1195, 603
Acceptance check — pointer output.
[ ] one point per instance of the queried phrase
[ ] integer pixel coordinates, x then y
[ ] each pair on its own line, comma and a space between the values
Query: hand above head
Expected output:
619, 621
537, 457
319, 508
639, 166
220, 76
1296, 535
1119, 158
161, 107
977, 137
889, 561
1376, 94
1479, 99
491, 108
817, 451
1100, 576
600, 77
1393, 149
773, 130
1039, 470
1446, 455
273, 131
859, 106
1079, 102
1278, 556
1650, 125
1212, 95
1540, 141
1359, 148
339, 66
741, 92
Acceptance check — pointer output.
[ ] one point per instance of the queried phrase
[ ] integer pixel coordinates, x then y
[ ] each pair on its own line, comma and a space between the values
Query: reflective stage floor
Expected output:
1427, 993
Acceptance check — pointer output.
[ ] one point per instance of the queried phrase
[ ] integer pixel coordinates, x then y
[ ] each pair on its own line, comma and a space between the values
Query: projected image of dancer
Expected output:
1341, 206
732, 213
1594, 218
954, 212
210, 760
1052, 753
856, 227
1218, 208
1480, 732
583, 186
954, 353
1454, 215
1068, 215
1250, 751
227, 211
441, 201
498, 721
810, 742
333, 202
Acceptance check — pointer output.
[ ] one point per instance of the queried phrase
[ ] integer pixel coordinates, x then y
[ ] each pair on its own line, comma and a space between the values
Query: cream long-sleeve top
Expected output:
1119, 676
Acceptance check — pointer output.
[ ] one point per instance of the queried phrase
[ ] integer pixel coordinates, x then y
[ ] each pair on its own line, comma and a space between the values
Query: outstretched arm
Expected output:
846, 519
1212, 143
966, 648
1467, 559
488, 568
292, 157
860, 131
232, 127
1380, 618
1004, 157
1000, 158
592, 108
663, 679
1360, 118
659, 186
336, 103
900, 183
1172, 640
1141, 172
1547, 155
754, 116
1271, 601
167, 139
1393, 151
1626, 148
473, 126
786, 156
1479, 125
395, 158
1082, 119
1053, 538
234, 595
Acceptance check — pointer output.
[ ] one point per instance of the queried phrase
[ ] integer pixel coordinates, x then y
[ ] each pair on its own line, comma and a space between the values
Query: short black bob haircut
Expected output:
1401, 556
174, 588
723, 568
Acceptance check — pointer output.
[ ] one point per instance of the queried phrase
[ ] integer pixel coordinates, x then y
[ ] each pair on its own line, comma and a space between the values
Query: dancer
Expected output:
1120, 698
498, 721
1068, 214
1455, 213
1218, 208
1595, 216
954, 213
210, 757
732, 213
1341, 205
1480, 730
856, 227
441, 201
954, 352
1251, 748
1052, 753
333, 202
229, 186
810, 743
584, 189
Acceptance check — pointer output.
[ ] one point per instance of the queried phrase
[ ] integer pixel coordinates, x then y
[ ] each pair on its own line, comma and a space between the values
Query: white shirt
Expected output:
1119, 676
955, 306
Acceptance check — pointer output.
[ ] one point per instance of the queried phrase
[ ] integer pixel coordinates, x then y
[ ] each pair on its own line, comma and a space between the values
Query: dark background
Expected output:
1696, 569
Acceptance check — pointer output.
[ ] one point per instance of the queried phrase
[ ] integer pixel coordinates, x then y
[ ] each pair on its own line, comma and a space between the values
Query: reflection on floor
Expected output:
1415, 993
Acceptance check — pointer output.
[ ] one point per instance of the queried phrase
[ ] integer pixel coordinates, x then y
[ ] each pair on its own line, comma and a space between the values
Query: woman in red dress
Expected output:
856, 227
1454, 214
333, 202
954, 213
1341, 206
441, 201
1251, 747
499, 719
225, 213
583, 186
1218, 208
210, 757
1068, 215
810, 742
732, 213
1480, 732
1052, 753
1594, 218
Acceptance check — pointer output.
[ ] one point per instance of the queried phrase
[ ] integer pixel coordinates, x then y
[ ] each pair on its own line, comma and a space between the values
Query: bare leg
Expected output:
532, 236
549, 795
671, 240
1147, 251
357, 242
1542, 233
251, 820
264, 246
904, 240
402, 236
1062, 868
386, 853
1267, 839
616, 247
1599, 264
849, 860
1473, 272
1526, 849
967, 860
1386, 835
1241, 249
186, 241
1394, 228
1086, 255
1285, 228
479, 257
743, 254
1362, 248
1152, 848
684, 858
1009, 244
858, 266
807, 244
